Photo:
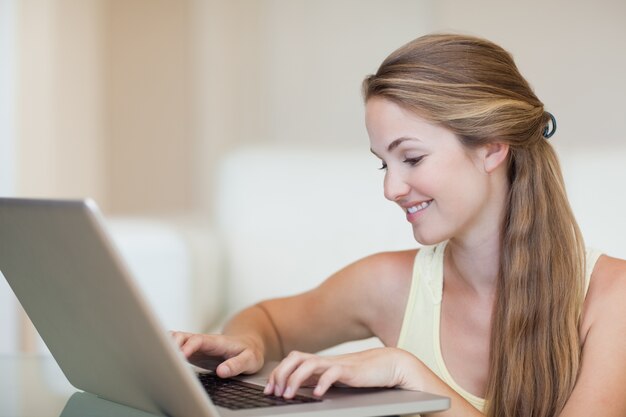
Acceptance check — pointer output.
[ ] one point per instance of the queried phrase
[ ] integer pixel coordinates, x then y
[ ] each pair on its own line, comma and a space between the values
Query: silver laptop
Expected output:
78, 292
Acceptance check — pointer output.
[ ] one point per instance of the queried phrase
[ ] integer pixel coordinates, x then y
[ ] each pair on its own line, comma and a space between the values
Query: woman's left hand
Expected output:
380, 367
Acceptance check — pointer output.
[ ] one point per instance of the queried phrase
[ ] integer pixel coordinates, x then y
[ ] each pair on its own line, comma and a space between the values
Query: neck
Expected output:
474, 256
475, 264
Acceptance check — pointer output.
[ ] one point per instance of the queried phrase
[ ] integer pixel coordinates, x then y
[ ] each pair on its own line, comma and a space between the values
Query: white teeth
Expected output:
419, 207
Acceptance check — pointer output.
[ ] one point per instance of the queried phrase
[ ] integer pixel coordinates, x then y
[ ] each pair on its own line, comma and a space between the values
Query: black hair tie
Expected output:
547, 131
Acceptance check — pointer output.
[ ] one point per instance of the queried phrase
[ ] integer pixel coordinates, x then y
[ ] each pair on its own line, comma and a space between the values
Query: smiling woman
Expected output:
503, 310
495, 116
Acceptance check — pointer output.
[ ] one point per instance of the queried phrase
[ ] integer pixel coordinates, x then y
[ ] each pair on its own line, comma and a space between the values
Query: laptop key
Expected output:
236, 395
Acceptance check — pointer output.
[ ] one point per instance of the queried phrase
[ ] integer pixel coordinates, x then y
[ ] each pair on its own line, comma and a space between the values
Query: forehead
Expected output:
387, 121
380, 108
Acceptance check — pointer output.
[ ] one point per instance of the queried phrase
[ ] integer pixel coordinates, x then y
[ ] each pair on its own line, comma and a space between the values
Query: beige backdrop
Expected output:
133, 102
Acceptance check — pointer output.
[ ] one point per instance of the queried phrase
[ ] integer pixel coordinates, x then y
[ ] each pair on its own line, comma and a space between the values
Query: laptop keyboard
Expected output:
238, 395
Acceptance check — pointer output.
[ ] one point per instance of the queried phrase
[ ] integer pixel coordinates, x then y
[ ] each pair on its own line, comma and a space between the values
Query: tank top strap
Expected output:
429, 267
591, 257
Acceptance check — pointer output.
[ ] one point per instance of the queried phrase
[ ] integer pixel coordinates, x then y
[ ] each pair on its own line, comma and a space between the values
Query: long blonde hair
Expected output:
473, 87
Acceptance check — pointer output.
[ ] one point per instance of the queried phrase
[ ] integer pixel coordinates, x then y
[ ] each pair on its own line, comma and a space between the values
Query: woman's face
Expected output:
442, 186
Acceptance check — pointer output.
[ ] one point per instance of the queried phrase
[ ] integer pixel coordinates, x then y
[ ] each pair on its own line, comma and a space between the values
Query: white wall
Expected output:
571, 52
7, 96
595, 180
288, 72
8, 315
60, 99
147, 89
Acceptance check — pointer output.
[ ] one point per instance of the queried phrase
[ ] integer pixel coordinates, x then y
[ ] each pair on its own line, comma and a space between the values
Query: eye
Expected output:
413, 161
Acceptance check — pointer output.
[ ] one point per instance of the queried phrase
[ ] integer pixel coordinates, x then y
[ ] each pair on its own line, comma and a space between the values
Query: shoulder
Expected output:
378, 271
602, 376
607, 292
375, 272
387, 263
377, 288
608, 279
385, 272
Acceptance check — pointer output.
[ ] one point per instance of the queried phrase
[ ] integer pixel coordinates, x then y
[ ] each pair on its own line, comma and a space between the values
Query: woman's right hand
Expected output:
238, 354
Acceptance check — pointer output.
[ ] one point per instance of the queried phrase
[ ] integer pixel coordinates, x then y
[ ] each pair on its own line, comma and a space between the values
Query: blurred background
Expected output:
224, 139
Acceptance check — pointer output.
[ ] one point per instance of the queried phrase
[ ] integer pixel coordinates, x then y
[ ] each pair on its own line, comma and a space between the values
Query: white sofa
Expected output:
176, 264
287, 219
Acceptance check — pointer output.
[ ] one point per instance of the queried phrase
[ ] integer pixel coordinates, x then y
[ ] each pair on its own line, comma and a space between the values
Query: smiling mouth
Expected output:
419, 207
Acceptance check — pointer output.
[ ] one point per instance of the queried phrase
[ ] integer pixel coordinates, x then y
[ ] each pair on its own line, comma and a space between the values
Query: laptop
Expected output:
72, 282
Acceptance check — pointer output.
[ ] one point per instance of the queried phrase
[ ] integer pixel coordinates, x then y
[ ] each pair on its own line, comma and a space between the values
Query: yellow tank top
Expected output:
420, 327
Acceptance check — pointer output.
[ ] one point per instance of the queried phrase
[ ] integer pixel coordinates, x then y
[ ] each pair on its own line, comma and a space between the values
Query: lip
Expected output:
412, 217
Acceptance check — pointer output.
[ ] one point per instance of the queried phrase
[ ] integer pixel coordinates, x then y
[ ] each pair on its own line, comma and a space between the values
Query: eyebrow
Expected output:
393, 145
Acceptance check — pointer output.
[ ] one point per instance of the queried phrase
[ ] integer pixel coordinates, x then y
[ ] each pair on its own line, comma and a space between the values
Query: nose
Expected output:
395, 187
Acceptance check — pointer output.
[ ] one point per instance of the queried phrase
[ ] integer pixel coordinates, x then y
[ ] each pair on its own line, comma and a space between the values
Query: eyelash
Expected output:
410, 161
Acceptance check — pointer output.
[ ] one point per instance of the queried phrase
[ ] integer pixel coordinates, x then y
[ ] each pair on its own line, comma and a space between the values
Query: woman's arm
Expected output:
601, 383
247, 341
381, 367
364, 299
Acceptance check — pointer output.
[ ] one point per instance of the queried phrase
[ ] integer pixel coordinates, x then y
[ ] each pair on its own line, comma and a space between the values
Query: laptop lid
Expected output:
79, 294
75, 289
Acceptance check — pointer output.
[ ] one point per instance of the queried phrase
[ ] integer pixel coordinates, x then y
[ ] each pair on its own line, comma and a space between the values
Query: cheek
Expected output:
457, 185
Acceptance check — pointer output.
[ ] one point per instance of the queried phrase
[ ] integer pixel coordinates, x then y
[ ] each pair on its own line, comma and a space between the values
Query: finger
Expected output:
308, 370
191, 344
332, 375
269, 387
179, 337
246, 362
271, 382
282, 372
211, 345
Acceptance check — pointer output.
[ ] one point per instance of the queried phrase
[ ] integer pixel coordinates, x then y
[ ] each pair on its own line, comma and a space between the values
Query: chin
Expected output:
428, 239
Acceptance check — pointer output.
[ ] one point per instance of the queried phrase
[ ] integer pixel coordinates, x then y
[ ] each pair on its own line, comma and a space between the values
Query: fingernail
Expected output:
278, 391
268, 389
225, 370
288, 392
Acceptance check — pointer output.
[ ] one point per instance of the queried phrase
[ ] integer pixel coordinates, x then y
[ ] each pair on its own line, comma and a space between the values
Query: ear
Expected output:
494, 154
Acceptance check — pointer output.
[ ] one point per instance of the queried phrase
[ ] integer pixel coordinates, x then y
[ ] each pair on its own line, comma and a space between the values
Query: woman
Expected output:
503, 309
